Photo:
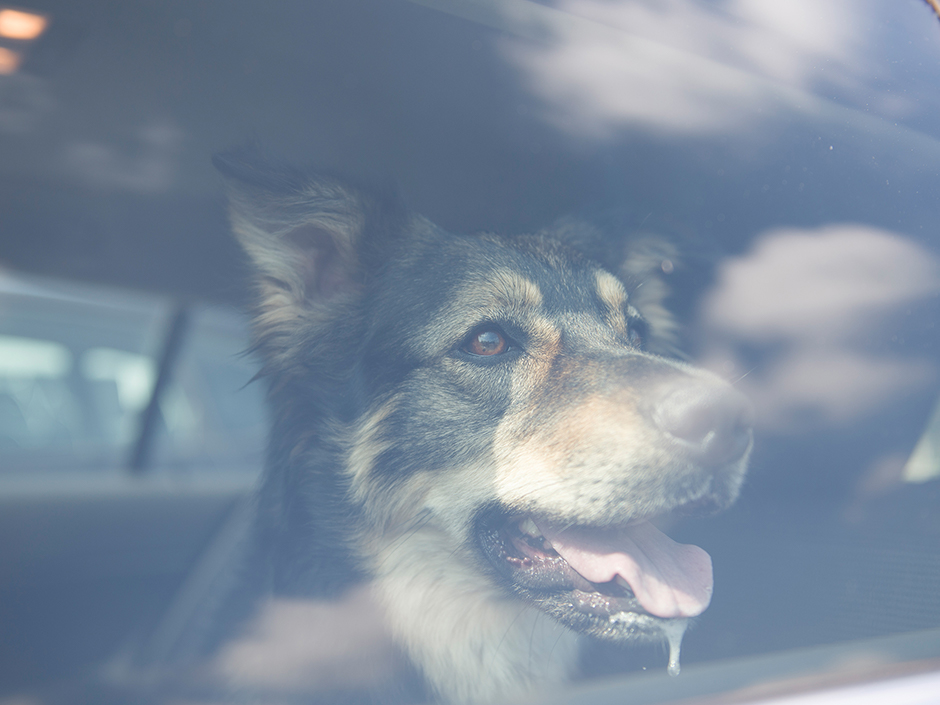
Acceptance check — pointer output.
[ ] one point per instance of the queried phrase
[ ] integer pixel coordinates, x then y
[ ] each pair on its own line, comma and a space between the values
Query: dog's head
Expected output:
510, 403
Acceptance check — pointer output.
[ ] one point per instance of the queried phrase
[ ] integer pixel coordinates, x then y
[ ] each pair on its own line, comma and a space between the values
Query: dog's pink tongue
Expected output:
669, 579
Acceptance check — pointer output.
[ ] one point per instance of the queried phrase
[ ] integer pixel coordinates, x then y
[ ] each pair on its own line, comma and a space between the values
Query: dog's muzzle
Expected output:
625, 578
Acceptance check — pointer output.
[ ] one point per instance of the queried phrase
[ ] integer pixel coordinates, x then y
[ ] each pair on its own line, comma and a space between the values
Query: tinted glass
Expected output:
788, 154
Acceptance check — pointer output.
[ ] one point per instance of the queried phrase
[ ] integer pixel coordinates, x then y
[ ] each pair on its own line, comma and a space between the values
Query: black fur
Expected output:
382, 411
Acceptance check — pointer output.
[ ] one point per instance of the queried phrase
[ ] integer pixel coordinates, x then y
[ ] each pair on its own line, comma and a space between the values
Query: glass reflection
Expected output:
24, 26
815, 301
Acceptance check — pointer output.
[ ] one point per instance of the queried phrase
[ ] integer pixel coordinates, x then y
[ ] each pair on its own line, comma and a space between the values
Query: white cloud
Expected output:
685, 66
819, 283
814, 300
149, 165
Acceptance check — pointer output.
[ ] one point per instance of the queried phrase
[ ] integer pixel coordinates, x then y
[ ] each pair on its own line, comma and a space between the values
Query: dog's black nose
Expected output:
712, 421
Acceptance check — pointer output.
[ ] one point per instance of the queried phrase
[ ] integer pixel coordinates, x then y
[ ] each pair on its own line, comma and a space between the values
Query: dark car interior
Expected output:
809, 201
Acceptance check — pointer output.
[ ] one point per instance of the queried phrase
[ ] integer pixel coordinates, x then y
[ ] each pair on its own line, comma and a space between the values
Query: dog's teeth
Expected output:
623, 583
527, 526
547, 545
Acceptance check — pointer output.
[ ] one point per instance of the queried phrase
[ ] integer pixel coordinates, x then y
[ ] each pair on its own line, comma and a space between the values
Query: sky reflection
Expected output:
690, 67
817, 305
298, 645
147, 165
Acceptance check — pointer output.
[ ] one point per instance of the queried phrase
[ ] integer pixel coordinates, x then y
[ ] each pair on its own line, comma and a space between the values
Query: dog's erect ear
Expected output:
644, 262
641, 262
306, 236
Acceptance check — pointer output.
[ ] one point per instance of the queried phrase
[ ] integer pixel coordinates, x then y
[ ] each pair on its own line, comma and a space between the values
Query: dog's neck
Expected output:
471, 642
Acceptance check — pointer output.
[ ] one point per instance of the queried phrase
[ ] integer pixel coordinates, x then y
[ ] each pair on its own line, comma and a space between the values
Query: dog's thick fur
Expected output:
430, 389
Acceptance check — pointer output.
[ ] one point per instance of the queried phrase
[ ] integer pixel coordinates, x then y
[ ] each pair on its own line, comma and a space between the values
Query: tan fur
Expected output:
596, 460
434, 594
556, 428
610, 290
578, 466
503, 293
512, 290
427, 579
532, 373
497, 647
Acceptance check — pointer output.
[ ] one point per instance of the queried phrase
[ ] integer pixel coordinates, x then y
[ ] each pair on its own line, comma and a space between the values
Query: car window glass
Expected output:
783, 156
213, 414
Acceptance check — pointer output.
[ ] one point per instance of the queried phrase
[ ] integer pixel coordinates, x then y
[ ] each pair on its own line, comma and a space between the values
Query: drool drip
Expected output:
673, 630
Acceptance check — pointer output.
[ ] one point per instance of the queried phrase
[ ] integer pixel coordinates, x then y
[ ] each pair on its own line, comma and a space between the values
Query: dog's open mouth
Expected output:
593, 578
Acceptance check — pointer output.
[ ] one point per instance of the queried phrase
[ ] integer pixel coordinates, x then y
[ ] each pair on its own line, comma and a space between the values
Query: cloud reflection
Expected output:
303, 645
9, 61
686, 66
148, 166
24, 101
814, 301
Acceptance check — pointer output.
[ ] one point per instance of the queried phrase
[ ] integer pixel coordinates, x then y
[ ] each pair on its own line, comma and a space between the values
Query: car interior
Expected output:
791, 154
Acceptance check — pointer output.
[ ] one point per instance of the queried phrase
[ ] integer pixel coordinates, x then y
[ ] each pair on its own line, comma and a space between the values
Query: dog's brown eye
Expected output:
487, 342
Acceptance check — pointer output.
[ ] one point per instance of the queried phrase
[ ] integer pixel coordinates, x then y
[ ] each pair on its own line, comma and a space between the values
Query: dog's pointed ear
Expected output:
306, 236
645, 261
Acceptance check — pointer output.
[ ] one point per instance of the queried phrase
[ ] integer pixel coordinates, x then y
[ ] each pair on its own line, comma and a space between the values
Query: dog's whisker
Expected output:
506, 633
535, 625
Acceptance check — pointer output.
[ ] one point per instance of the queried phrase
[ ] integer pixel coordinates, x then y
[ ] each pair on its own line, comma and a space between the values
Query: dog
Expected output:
480, 428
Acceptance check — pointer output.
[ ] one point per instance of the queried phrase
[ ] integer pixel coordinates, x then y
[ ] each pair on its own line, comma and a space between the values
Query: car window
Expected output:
80, 367
258, 326
213, 415
75, 376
